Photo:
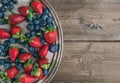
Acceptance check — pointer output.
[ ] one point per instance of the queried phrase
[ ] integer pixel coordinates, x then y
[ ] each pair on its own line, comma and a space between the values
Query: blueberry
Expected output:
12, 40
1, 23
7, 65
2, 47
37, 27
28, 35
4, 2
19, 41
36, 21
6, 43
2, 62
38, 16
2, 9
43, 23
25, 45
2, 54
22, 50
53, 48
1, 15
19, 66
30, 27
44, 17
31, 49
35, 55
49, 20
8, 60
43, 41
14, 1
46, 11
33, 33
45, 72
13, 80
10, 6
29, 20
50, 24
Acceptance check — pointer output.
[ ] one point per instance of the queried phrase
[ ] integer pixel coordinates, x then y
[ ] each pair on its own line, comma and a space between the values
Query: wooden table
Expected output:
91, 41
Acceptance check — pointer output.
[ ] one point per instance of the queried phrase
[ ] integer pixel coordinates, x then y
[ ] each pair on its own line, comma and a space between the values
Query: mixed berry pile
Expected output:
23, 53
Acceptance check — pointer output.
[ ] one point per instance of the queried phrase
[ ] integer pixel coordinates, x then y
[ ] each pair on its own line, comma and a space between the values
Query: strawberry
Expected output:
37, 6
35, 42
15, 30
37, 72
42, 62
16, 19
12, 72
26, 78
13, 53
50, 35
4, 34
29, 65
24, 10
43, 51
24, 57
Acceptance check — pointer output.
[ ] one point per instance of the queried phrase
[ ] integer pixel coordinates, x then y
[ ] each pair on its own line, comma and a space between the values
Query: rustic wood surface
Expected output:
91, 54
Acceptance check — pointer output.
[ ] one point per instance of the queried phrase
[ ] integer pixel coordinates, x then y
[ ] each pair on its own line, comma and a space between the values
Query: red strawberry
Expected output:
12, 72
13, 53
24, 10
35, 42
43, 51
26, 78
25, 56
50, 35
16, 19
4, 34
15, 30
37, 72
37, 6
42, 62
29, 65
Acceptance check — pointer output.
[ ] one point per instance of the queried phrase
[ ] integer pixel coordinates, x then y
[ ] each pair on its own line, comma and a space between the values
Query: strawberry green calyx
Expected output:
29, 62
46, 66
3, 76
49, 29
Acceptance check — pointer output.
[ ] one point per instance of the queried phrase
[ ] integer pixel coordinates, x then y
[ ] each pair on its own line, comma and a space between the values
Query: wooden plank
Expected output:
89, 63
75, 14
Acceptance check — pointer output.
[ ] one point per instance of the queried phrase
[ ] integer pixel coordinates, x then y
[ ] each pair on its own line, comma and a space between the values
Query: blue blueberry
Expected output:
43, 23
2, 23
22, 50
8, 60
33, 33
1, 14
19, 41
10, 6
2, 54
2, 47
36, 21
37, 27
28, 35
45, 72
2, 62
7, 65
29, 20
25, 45
44, 17
2, 9
36, 55
12, 40
53, 48
46, 11
30, 27
38, 16
14, 1
49, 20
43, 41
50, 24
19, 66
31, 49
6, 43
4, 2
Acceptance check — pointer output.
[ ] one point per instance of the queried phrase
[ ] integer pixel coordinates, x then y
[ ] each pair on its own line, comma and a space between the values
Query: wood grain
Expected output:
75, 14
89, 63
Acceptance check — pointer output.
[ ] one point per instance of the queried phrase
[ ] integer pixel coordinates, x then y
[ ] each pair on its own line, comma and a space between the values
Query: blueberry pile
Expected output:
27, 51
